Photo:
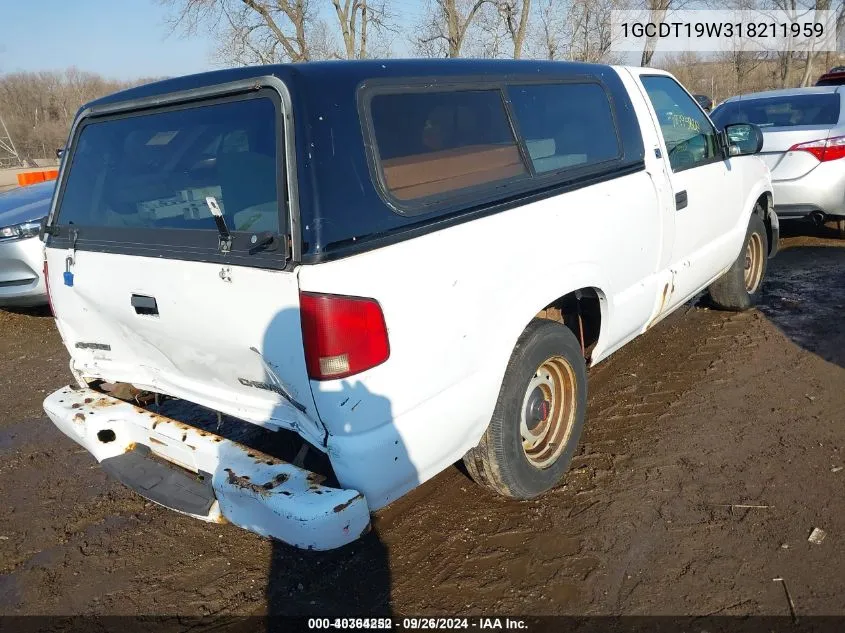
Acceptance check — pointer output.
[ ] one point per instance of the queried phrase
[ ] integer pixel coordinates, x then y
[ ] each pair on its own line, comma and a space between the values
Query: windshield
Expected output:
161, 170
782, 111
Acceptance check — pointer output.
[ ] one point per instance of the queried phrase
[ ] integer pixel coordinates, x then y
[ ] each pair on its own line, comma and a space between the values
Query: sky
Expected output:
121, 39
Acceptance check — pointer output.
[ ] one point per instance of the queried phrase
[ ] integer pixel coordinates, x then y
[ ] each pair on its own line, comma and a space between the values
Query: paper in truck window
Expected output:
163, 138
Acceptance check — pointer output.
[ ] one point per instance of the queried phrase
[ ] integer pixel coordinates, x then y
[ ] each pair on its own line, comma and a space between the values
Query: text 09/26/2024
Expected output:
419, 623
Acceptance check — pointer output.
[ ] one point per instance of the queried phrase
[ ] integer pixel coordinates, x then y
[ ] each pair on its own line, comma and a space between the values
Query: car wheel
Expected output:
538, 417
741, 286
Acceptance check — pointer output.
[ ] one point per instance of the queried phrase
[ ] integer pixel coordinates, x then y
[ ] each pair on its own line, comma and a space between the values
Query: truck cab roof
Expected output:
340, 201
328, 72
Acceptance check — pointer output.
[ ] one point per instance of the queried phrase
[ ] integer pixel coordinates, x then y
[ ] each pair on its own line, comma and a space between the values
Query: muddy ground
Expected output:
706, 411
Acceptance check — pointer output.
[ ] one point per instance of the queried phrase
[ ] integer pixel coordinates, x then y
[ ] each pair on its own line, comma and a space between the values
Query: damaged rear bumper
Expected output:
207, 476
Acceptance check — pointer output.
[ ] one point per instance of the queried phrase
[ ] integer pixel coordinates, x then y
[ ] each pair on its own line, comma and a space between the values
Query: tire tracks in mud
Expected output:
471, 550
450, 546
707, 408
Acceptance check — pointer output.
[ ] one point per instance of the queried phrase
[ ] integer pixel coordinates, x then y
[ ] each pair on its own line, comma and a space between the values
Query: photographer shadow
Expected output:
353, 580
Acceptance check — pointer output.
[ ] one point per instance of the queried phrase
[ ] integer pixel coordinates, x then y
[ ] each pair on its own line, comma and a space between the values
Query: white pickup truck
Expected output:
293, 293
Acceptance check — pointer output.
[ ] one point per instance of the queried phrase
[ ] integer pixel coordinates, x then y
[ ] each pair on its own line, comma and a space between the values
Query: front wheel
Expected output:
538, 417
741, 286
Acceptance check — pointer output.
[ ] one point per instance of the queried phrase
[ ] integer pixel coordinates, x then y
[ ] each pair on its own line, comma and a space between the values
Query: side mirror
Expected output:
743, 139
59, 153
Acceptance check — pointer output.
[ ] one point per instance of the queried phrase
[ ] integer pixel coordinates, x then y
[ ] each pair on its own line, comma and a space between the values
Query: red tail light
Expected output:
824, 149
342, 335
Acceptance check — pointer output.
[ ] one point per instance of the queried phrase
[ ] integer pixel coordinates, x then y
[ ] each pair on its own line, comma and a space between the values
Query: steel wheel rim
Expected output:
548, 412
753, 263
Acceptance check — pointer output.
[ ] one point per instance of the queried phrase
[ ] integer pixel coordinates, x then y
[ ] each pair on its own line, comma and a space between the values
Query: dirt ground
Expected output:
704, 414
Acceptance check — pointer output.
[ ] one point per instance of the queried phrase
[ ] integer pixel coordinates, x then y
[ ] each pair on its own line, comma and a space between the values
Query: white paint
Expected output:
297, 511
455, 301
199, 346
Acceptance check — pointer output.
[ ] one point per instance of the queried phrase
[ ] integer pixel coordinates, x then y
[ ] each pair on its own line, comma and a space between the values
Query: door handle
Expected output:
681, 200
144, 305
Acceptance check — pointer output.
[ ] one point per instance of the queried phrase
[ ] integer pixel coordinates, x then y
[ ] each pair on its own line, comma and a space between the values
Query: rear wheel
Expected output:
538, 417
741, 286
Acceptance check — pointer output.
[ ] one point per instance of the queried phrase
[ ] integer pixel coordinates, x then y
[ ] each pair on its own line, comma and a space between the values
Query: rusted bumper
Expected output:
251, 489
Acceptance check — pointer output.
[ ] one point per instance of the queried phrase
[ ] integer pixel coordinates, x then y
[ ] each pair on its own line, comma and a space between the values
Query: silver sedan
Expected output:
21, 251
803, 145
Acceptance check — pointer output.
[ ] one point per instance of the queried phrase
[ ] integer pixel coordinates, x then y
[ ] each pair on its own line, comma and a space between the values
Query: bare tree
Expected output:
744, 63
515, 15
487, 36
251, 31
786, 58
821, 5
573, 29
273, 31
323, 42
548, 32
591, 35
657, 10
38, 108
445, 27
357, 18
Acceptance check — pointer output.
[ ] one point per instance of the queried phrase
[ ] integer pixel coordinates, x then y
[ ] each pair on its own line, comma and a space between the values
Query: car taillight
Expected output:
342, 335
824, 149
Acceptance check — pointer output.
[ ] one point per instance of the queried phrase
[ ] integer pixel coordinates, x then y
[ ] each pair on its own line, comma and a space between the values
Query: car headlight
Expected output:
20, 231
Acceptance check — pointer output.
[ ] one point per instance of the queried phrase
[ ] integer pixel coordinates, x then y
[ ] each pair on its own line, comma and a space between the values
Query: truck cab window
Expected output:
156, 171
691, 140
565, 125
438, 143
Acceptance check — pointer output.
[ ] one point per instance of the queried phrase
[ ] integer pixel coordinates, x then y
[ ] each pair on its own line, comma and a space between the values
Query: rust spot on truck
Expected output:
341, 507
279, 479
663, 298
244, 482
315, 478
79, 418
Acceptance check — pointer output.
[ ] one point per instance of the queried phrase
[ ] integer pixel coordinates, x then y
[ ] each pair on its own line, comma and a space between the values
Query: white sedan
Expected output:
21, 252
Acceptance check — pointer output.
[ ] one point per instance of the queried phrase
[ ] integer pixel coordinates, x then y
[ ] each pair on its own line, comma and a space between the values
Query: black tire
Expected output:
546, 350
735, 290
